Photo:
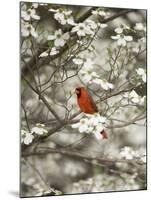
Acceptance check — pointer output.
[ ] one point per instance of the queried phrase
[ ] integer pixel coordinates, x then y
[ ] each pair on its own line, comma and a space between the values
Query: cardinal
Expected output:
87, 104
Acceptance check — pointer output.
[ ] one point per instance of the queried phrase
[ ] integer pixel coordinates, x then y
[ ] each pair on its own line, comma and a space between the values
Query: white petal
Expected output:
121, 42
94, 12
36, 17
128, 38
51, 37
60, 18
70, 21
25, 32
97, 81
25, 15
83, 128
110, 85
119, 30
133, 94
139, 27
74, 29
116, 37
103, 25
81, 33
28, 138
94, 75
75, 125
33, 33
102, 13
53, 10
104, 85
66, 36
102, 119
87, 77
59, 42
98, 135
35, 5
54, 51
68, 12
135, 100
44, 54
140, 71
78, 61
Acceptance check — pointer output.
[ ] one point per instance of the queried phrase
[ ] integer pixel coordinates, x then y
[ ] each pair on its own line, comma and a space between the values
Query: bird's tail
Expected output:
104, 134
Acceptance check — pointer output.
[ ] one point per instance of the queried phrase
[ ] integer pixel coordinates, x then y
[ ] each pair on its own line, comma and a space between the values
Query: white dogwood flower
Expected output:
59, 38
82, 125
39, 129
54, 51
63, 16
82, 29
27, 30
26, 137
96, 119
122, 39
29, 14
93, 124
93, 25
141, 73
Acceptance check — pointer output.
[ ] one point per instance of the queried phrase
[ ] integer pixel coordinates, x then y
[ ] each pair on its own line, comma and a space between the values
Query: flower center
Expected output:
29, 12
58, 35
81, 28
29, 28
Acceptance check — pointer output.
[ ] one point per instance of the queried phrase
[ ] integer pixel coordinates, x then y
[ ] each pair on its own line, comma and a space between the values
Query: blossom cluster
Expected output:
88, 75
87, 28
92, 124
129, 153
28, 136
63, 16
120, 37
27, 15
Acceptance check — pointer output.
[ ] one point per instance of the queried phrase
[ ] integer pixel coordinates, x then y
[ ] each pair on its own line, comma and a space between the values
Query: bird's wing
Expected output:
93, 104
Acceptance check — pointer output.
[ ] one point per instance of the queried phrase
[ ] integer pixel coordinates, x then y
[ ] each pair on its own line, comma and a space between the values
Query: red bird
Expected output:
87, 104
